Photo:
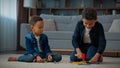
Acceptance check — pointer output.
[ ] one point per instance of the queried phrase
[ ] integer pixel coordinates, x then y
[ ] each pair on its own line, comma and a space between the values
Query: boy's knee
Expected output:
56, 57
91, 52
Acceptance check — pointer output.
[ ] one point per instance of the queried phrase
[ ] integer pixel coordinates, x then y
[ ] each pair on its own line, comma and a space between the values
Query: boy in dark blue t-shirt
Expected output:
88, 38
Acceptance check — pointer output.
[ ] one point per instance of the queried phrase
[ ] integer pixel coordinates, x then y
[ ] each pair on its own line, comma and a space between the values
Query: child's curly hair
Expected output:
89, 13
34, 19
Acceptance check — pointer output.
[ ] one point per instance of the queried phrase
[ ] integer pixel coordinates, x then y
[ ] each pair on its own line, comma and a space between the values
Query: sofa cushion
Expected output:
107, 20
49, 25
63, 23
115, 27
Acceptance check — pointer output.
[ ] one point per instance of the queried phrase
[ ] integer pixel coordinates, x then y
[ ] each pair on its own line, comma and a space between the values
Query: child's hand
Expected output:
79, 53
39, 59
79, 56
49, 58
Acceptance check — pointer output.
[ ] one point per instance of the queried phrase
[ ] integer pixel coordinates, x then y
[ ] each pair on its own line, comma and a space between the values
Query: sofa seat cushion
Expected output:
112, 36
113, 40
57, 35
60, 44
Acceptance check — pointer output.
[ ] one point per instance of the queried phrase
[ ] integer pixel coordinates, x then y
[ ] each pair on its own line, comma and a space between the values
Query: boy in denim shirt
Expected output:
37, 47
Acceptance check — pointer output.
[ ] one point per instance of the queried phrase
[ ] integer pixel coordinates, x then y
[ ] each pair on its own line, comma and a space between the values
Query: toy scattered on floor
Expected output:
83, 57
81, 63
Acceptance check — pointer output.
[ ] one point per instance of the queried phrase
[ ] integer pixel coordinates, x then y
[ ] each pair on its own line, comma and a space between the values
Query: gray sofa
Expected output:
61, 30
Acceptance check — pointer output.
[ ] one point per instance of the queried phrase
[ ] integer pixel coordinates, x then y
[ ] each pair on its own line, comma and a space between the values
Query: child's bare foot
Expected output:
12, 59
101, 59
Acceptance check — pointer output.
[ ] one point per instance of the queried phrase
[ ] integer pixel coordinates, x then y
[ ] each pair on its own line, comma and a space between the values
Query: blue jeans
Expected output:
30, 57
89, 50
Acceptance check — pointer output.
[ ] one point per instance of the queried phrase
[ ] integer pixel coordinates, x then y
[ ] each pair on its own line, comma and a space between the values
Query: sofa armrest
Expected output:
24, 29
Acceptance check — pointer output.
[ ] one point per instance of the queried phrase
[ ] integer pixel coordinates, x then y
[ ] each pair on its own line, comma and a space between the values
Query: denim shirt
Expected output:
96, 35
32, 47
